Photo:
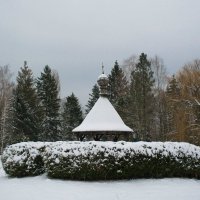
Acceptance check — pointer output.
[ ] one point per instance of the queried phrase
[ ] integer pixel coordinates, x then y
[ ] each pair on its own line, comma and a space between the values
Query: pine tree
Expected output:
173, 103
48, 91
119, 90
25, 115
72, 116
93, 98
173, 89
175, 110
142, 99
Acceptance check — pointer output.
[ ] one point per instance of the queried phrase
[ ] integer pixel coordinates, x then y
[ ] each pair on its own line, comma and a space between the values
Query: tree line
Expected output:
156, 106
31, 109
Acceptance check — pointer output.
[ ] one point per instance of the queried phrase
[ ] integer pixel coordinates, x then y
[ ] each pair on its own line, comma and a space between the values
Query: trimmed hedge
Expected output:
122, 160
24, 159
103, 160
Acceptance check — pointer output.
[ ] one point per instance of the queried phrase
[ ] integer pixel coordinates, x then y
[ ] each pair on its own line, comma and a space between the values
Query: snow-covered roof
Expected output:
102, 117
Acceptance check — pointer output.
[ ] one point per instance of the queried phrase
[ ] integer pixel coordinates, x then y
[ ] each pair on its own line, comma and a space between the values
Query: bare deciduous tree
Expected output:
6, 86
189, 79
129, 65
160, 77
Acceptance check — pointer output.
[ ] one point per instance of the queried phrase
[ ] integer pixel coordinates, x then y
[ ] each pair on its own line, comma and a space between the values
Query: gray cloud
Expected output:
74, 36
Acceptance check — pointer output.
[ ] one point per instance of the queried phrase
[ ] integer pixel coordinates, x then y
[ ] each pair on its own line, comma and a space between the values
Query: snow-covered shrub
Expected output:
121, 160
102, 160
24, 159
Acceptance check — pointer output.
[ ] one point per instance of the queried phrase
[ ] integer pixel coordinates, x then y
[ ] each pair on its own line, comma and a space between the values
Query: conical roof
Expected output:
103, 117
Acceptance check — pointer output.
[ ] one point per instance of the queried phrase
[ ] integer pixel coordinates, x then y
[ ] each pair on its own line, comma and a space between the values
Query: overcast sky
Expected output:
76, 36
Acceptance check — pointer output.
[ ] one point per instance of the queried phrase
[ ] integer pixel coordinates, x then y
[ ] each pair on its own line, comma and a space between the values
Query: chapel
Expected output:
103, 122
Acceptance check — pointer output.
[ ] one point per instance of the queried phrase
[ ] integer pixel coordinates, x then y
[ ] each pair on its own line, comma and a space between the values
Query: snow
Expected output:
26, 152
103, 76
174, 149
198, 103
103, 117
16, 152
41, 188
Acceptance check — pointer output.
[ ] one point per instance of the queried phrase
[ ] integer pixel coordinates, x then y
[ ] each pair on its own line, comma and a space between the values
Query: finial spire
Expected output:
103, 83
102, 68
25, 63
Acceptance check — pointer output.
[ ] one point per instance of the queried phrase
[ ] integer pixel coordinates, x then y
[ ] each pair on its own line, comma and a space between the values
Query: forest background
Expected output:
157, 106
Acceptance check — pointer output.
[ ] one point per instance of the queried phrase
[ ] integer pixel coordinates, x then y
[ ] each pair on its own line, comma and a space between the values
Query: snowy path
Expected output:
42, 188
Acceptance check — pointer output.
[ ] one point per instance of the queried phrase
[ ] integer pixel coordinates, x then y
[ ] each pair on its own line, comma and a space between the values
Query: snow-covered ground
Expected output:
42, 188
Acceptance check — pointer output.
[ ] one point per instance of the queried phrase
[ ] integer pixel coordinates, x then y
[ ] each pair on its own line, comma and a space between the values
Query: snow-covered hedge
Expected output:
103, 160
24, 159
121, 160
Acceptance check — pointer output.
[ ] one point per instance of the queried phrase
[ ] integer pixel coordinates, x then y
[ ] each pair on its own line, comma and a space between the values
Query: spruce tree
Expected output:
119, 90
93, 98
48, 92
142, 99
173, 104
72, 116
173, 89
25, 113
